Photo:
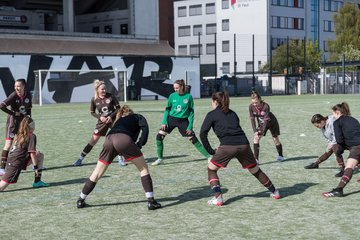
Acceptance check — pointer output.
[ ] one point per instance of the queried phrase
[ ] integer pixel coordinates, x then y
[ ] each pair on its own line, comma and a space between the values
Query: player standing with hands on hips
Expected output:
17, 106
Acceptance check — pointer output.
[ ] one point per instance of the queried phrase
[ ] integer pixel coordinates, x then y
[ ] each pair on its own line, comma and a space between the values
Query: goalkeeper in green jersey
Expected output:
179, 113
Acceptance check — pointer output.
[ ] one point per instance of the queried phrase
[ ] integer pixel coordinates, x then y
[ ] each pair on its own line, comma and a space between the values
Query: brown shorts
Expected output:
355, 153
225, 153
116, 144
13, 171
101, 128
274, 128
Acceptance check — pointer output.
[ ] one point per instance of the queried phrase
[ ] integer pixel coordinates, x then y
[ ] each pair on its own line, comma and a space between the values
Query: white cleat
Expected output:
216, 201
157, 162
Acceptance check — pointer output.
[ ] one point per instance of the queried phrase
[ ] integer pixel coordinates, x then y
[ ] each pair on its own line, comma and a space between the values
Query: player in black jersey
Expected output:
260, 110
103, 107
123, 138
347, 135
17, 106
22, 154
233, 144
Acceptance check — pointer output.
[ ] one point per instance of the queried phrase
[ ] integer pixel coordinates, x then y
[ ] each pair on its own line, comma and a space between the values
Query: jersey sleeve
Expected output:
144, 131
93, 109
266, 110
252, 118
191, 113
167, 110
116, 105
4, 105
204, 131
32, 143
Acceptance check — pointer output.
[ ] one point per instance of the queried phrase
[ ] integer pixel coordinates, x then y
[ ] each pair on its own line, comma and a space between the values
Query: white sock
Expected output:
82, 196
149, 194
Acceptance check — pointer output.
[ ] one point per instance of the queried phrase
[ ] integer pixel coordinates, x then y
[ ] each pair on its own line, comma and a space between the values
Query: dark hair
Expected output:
318, 118
343, 108
181, 83
22, 81
255, 94
222, 99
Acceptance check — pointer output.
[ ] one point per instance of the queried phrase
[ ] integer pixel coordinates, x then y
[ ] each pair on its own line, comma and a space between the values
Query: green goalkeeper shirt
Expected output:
180, 106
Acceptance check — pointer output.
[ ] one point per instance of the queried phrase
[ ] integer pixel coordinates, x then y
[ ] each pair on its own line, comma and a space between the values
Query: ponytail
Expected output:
343, 108
223, 101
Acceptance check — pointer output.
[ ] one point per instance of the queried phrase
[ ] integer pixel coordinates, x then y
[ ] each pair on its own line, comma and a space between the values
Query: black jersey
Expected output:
105, 106
347, 131
22, 104
19, 154
131, 126
263, 116
226, 127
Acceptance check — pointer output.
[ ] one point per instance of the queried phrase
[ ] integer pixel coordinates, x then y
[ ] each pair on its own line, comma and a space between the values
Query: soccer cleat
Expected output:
157, 162
276, 194
40, 184
340, 174
122, 161
280, 158
312, 166
216, 201
153, 205
2, 171
336, 192
42, 168
257, 161
78, 163
80, 203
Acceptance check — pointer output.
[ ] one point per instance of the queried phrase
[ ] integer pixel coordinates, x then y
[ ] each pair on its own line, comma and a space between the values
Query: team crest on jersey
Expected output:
27, 100
185, 101
107, 101
262, 113
12, 135
96, 131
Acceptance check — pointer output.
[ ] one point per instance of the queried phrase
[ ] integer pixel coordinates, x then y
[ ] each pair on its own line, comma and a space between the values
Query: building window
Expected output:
184, 31
332, 6
225, 25
194, 49
210, 8
182, 49
287, 22
108, 29
226, 67
96, 29
181, 11
249, 66
288, 3
195, 10
210, 28
197, 29
328, 26
225, 4
226, 46
210, 48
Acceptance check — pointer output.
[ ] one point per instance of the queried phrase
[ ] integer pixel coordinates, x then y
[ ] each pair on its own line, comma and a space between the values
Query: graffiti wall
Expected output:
143, 76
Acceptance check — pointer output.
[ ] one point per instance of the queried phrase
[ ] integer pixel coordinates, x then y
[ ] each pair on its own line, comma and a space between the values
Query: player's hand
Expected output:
163, 127
108, 119
189, 132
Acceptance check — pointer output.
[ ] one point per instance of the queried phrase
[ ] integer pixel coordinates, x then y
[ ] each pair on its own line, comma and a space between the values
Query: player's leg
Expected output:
160, 147
94, 139
214, 182
265, 181
146, 182
320, 159
339, 159
345, 179
4, 155
38, 172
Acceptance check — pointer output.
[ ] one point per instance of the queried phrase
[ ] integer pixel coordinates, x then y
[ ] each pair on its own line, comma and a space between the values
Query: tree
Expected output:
295, 57
347, 30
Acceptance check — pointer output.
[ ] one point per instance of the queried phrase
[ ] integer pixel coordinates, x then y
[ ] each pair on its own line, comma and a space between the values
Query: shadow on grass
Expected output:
54, 184
153, 159
284, 192
290, 159
192, 194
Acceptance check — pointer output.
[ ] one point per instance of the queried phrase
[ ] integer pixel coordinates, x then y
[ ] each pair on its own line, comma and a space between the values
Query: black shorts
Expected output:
180, 123
225, 153
119, 143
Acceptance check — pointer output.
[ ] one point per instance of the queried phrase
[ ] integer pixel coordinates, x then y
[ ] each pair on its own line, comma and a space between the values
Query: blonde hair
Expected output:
97, 84
22, 137
124, 111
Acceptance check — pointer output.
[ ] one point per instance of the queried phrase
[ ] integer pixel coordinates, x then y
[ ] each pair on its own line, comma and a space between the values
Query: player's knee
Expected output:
160, 137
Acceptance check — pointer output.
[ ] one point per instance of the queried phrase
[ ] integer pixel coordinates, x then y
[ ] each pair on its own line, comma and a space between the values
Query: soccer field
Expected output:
117, 206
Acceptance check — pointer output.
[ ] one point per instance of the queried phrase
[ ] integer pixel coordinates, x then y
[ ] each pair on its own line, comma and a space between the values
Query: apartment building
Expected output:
236, 36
